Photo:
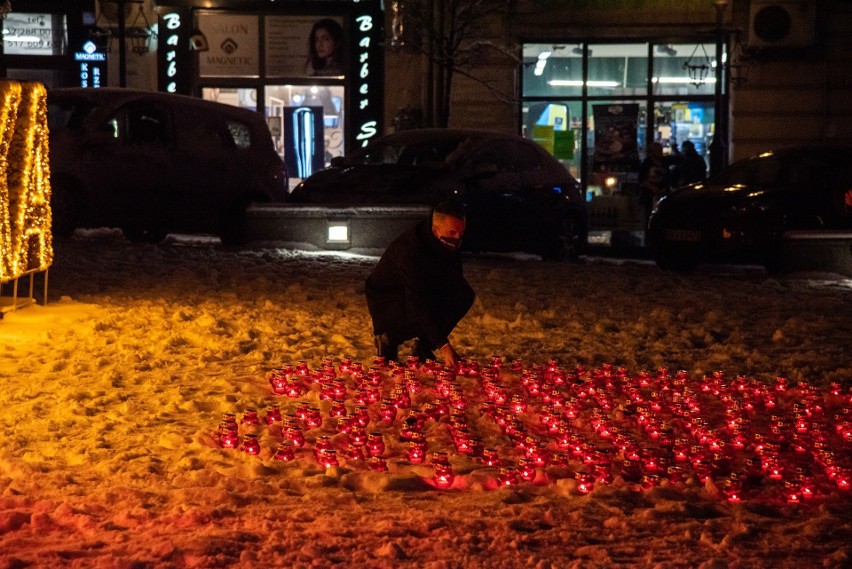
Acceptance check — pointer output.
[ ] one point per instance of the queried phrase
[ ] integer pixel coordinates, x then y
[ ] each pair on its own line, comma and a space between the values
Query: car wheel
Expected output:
66, 204
565, 242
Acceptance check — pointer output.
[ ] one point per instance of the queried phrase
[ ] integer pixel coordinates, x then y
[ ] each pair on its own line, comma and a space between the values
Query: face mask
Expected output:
449, 242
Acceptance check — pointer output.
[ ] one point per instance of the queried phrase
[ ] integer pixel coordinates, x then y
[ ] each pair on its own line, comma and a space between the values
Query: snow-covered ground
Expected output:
112, 395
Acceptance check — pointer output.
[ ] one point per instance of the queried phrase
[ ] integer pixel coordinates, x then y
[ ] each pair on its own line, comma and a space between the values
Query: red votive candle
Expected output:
285, 452
250, 417
375, 444
251, 444
490, 457
443, 476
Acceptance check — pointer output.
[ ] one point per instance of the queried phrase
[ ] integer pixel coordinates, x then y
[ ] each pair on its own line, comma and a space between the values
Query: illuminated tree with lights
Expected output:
25, 239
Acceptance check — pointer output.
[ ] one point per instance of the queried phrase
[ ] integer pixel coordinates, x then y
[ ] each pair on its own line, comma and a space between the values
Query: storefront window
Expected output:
307, 124
678, 122
552, 70
635, 93
618, 69
684, 69
557, 126
245, 98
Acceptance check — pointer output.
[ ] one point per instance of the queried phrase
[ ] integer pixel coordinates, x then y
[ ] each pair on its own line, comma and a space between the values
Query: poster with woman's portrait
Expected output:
305, 46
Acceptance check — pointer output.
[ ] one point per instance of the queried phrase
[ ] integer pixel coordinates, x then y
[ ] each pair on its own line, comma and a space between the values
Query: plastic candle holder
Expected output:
508, 476
585, 482
273, 415
377, 464
251, 445
375, 444
387, 412
328, 458
250, 417
526, 469
279, 384
490, 457
416, 452
229, 439
443, 476
285, 452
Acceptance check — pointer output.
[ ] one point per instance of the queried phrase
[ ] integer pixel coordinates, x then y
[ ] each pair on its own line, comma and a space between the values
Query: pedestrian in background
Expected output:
692, 167
654, 177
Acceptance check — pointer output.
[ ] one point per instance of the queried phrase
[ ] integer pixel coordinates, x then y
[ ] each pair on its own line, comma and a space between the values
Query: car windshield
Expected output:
400, 152
771, 171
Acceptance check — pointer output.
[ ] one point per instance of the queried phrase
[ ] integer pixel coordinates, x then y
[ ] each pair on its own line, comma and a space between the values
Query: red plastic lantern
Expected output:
375, 444
250, 417
387, 412
313, 418
229, 438
285, 452
585, 482
443, 476
338, 409
416, 452
328, 458
508, 476
273, 415
526, 469
250, 444
490, 457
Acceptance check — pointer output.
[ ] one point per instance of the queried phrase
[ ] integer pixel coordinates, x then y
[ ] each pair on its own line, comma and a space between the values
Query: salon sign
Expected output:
233, 45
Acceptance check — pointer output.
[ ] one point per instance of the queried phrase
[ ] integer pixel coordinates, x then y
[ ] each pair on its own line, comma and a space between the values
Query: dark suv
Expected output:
154, 163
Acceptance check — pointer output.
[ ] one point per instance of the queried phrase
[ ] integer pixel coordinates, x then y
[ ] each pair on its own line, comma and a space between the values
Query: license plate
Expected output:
683, 235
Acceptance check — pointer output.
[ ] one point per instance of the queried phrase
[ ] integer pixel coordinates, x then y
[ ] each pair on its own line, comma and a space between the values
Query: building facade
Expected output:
594, 81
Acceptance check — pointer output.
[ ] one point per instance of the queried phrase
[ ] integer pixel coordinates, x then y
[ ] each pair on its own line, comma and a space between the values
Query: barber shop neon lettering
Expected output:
368, 129
173, 24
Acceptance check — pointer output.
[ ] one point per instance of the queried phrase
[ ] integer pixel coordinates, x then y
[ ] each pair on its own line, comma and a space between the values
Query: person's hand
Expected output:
450, 356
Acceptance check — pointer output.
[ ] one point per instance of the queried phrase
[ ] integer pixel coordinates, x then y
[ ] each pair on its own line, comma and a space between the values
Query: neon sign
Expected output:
367, 65
173, 62
92, 65
173, 24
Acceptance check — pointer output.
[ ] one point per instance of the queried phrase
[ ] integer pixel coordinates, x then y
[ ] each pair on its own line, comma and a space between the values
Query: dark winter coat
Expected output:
417, 289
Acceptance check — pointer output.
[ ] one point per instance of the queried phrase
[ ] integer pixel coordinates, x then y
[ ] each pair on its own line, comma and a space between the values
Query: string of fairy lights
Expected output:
26, 242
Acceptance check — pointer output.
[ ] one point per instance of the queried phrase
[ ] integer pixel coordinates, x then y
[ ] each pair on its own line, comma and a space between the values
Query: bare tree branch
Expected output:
455, 36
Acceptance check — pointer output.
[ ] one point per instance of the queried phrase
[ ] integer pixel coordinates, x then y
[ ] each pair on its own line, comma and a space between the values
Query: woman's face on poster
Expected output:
324, 43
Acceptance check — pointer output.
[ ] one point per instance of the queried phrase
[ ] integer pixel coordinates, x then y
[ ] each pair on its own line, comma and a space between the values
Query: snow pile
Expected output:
113, 396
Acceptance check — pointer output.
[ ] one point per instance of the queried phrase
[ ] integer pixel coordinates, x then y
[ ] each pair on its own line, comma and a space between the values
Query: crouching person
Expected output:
418, 290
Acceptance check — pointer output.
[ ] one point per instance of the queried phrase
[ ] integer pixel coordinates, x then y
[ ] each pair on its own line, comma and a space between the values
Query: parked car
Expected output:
517, 196
153, 163
741, 214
